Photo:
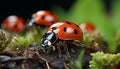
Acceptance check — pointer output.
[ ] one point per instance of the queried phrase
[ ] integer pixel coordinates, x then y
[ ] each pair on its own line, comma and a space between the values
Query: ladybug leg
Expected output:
66, 49
53, 47
59, 50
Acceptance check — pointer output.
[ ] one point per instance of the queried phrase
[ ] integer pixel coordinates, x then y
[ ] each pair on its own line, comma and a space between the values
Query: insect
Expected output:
87, 27
14, 23
62, 31
44, 18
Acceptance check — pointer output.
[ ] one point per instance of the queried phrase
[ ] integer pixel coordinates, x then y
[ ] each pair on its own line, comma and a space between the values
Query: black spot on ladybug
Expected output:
68, 22
65, 29
43, 17
53, 28
75, 31
77, 26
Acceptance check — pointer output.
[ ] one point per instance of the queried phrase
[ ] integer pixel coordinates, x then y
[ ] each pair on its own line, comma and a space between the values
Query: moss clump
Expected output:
101, 60
20, 42
4, 40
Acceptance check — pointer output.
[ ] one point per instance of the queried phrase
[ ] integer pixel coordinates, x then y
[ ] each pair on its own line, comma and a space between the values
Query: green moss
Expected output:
4, 40
101, 60
20, 42
25, 40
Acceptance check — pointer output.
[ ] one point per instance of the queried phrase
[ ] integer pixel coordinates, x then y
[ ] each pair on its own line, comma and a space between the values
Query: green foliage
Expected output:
20, 42
88, 37
24, 41
101, 60
4, 40
116, 14
79, 62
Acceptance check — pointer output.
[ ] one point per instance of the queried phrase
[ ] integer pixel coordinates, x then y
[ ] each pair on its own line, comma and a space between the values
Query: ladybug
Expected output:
61, 31
87, 27
43, 17
14, 23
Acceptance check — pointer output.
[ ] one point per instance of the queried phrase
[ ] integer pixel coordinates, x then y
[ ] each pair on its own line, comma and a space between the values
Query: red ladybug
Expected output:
63, 31
87, 27
44, 18
14, 23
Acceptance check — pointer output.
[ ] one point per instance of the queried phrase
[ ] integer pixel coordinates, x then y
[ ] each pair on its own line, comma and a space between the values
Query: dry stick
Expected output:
42, 57
48, 66
66, 49
59, 50
46, 61
25, 66
66, 67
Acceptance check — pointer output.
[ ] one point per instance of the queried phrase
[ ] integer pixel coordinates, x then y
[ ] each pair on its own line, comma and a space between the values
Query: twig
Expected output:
42, 57
48, 65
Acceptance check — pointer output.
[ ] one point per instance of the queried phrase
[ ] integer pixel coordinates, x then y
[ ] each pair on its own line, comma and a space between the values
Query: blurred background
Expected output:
104, 14
25, 8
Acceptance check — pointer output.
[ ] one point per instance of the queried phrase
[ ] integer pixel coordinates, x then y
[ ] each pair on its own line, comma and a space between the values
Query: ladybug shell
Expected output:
14, 23
87, 27
67, 31
45, 18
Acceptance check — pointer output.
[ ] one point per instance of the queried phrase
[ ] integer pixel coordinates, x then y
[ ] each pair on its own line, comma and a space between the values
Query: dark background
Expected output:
25, 8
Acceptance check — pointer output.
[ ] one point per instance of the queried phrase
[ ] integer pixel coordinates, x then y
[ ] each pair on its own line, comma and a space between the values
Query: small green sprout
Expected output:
77, 64
101, 60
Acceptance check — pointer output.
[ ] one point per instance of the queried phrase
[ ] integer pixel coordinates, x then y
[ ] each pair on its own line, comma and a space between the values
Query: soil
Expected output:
62, 55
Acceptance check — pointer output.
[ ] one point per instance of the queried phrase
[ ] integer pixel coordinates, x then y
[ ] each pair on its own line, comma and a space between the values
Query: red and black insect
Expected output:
63, 31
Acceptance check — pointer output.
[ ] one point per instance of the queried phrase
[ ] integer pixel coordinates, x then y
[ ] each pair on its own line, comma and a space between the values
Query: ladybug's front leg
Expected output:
60, 45
59, 49
66, 49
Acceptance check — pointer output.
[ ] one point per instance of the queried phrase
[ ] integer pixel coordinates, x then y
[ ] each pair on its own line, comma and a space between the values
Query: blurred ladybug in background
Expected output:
14, 23
91, 33
44, 18
62, 31
87, 27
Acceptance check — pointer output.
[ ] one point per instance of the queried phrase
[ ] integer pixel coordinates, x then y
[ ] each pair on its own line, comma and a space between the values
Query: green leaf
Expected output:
79, 62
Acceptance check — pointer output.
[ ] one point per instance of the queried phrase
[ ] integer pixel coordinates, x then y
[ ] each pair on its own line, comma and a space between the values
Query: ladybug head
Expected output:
49, 38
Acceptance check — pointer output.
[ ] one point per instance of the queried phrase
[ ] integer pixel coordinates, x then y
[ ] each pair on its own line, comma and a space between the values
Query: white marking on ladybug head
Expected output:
50, 36
56, 31
12, 20
69, 30
40, 12
49, 43
46, 43
49, 18
82, 26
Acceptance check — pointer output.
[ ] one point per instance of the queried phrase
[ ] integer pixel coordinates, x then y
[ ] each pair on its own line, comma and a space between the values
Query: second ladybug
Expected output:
44, 18
62, 31
14, 23
87, 27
